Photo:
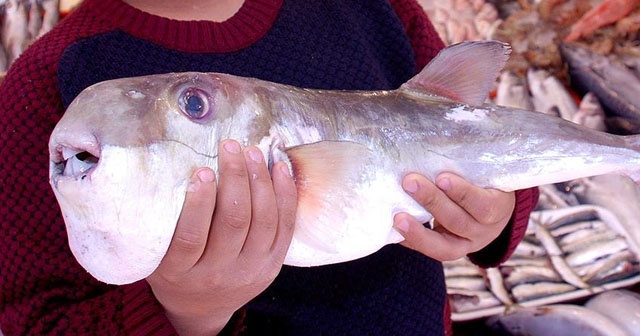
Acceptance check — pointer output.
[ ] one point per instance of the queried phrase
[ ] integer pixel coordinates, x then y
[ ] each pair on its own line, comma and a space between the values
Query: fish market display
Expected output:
567, 253
118, 176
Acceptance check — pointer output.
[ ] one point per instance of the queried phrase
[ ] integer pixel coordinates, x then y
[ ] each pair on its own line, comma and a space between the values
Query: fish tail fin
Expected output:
326, 175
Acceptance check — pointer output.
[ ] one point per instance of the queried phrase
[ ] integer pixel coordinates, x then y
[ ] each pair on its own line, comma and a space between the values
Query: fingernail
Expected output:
202, 176
402, 226
444, 183
206, 175
410, 185
285, 170
254, 154
232, 146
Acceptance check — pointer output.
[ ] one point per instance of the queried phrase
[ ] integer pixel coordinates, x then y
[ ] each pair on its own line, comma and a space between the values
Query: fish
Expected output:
609, 303
620, 196
615, 85
514, 276
554, 320
497, 285
463, 300
122, 154
540, 289
512, 91
555, 254
549, 94
14, 29
51, 16
595, 269
590, 113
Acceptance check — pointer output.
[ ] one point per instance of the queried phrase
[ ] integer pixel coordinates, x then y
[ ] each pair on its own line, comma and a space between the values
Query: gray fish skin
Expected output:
348, 152
621, 306
554, 320
615, 85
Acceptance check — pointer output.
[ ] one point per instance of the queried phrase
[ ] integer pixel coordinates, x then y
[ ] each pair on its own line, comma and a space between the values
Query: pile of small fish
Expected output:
566, 254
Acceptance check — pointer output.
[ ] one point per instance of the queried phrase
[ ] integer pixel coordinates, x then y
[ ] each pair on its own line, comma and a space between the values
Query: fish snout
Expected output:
74, 160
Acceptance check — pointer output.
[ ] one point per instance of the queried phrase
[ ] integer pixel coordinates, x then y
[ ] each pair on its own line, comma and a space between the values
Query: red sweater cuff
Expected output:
502, 247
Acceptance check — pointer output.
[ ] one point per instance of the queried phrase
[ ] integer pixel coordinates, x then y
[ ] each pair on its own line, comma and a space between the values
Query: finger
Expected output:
190, 237
438, 244
232, 215
435, 201
286, 198
264, 213
486, 206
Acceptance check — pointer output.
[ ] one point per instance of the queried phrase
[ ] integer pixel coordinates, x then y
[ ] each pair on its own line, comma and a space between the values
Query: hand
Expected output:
467, 218
230, 241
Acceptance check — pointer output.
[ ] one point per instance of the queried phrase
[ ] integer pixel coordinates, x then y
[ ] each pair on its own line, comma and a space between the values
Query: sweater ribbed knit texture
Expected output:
319, 44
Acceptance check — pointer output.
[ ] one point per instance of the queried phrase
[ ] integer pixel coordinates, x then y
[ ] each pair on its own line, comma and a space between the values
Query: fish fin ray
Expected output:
324, 172
463, 72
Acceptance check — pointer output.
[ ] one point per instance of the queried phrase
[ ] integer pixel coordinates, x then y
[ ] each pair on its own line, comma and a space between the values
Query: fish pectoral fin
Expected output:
463, 72
327, 176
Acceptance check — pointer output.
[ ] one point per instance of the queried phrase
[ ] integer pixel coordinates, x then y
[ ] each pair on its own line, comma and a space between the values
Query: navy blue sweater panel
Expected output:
337, 45
334, 45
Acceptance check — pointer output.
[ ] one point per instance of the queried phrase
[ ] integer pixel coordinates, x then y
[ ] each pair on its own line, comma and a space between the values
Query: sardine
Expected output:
597, 251
497, 286
555, 254
532, 291
463, 300
461, 271
122, 154
466, 282
591, 270
514, 276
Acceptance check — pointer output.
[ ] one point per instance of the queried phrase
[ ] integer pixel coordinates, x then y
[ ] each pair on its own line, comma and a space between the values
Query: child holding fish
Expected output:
224, 265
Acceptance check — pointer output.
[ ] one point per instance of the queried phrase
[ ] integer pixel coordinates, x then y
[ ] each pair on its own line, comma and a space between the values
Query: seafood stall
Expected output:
578, 60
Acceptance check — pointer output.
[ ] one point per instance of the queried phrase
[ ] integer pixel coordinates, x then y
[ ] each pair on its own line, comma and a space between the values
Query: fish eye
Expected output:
194, 103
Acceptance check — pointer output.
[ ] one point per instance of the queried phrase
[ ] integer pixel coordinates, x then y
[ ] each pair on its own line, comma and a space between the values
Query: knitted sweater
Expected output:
349, 44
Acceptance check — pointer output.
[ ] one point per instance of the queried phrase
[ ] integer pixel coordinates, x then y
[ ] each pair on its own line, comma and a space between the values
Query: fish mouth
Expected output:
74, 163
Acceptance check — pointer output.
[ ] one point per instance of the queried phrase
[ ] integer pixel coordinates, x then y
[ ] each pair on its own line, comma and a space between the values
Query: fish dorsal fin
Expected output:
326, 175
463, 72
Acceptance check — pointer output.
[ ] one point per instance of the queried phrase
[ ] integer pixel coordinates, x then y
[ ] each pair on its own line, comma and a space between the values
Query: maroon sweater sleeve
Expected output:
43, 290
426, 44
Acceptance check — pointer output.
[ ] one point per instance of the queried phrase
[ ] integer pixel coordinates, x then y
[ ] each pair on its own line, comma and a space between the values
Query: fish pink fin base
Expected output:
463, 72
326, 174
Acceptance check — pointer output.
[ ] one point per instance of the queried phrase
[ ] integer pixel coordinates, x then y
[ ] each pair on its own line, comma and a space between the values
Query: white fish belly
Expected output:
111, 235
360, 223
